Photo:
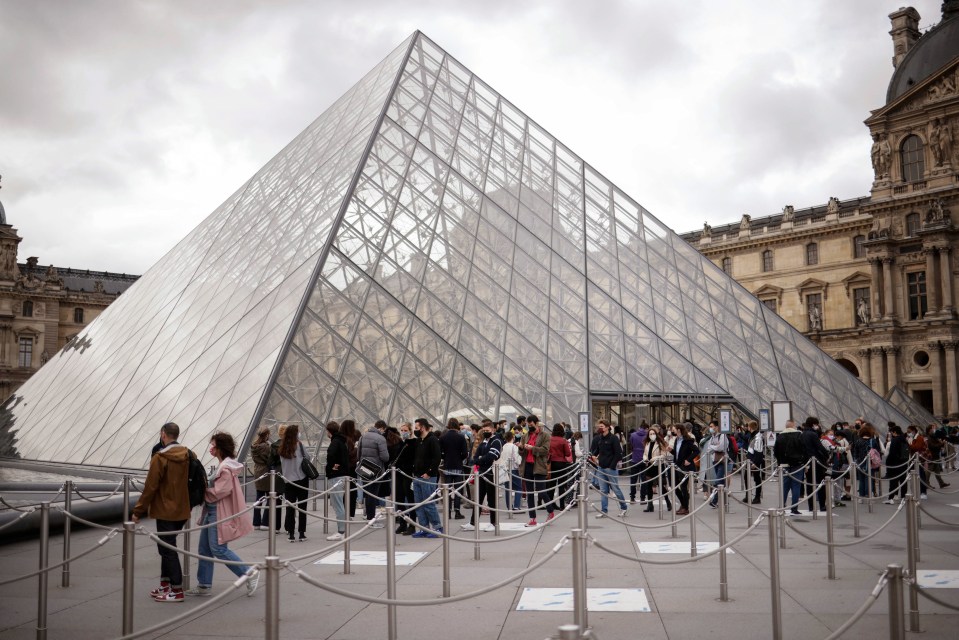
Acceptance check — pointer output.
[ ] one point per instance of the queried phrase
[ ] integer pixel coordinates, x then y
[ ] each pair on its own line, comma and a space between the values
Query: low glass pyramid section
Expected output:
424, 249
918, 415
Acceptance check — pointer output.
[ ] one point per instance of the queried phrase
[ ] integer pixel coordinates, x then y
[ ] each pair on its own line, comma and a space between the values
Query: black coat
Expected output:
338, 456
685, 451
427, 458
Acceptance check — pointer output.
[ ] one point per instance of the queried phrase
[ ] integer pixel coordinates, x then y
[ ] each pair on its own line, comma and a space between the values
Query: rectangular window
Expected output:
812, 253
859, 247
860, 305
916, 282
26, 353
814, 311
728, 266
767, 261
78, 315
770, 304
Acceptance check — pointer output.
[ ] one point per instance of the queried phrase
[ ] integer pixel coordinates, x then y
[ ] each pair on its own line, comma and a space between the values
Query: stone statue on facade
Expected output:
815, 319
862, 311
833, 205
744, 223
881, 153
98, 286
707, 230
788, 213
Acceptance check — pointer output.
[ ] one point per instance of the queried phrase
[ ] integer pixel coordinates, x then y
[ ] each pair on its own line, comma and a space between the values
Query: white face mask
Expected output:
652, 437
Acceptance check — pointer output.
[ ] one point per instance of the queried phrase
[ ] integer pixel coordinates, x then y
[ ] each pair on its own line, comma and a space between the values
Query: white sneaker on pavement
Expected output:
468, 527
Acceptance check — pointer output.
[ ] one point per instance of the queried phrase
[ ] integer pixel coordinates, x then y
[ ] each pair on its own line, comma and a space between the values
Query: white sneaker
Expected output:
889, 502
923, 496
335, 537
489, 527
602, 514
467, 527
252, 584
622, 514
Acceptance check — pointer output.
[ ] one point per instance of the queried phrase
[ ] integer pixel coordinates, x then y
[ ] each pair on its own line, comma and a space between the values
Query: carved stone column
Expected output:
878, 371
952, 383
932, 282
875, 266
935, 370
6, 346
864, 373
945, 269
892, 365
888, 311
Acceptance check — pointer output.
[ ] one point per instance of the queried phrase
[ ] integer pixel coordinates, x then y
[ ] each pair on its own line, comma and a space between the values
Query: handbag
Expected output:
307, 467
367, 470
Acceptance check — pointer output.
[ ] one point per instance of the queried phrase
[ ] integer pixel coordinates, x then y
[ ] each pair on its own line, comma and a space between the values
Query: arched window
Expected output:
812, 253
912, 157
859, 247
912, 224
728, 265
767, 260
27, 309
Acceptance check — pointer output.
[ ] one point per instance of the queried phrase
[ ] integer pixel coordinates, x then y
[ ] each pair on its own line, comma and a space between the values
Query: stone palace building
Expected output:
872, 280
43, 308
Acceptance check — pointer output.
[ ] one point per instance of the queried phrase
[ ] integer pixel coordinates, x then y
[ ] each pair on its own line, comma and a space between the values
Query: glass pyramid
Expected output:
422, 249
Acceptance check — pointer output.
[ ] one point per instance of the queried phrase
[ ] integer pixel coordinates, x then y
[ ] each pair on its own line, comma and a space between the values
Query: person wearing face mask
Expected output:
815, 450
718, 448
426, 470
756, 454
606, 452
654, 455
685, 453
487, 453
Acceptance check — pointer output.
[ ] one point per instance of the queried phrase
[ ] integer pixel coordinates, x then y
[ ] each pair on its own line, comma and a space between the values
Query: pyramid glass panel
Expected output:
423, 249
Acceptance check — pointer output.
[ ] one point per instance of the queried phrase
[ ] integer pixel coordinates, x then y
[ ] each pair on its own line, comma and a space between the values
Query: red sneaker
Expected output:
550, 516
173, 595
531, 523
159, 591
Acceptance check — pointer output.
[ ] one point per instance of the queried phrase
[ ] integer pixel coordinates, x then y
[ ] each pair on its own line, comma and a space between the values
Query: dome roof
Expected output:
930, 53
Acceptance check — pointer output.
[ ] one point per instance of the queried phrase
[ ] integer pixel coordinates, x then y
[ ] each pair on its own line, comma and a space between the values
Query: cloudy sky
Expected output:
124, 123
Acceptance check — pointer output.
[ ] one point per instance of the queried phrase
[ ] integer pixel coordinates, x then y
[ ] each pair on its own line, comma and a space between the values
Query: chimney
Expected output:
905, 32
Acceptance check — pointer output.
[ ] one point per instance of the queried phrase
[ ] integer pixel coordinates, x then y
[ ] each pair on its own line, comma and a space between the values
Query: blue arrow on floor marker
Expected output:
564, 593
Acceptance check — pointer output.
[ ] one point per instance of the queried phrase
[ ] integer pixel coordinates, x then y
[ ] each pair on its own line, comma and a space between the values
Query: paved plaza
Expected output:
627, 599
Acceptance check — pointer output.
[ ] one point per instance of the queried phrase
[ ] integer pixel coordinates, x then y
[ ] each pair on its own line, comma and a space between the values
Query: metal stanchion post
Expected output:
774, 587
897, 618
186, 559
42, 579
723, 578
569, 632
128, 565
659, 493
445, 516
67, 506
347, 499
830, 550
782, 506
854, 489
912, 559
672, 498
507, 493
272, 598
272, 519
391, 565
326, 505
474, 493
126, 497
917, 491
814, 490
692, 512
581, 503
580, 615
747, 478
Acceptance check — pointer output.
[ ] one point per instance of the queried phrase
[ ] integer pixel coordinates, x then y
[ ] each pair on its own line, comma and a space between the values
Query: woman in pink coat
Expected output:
224, 498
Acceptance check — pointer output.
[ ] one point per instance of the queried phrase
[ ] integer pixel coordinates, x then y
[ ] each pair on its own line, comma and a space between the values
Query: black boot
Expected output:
648, 509
401, 529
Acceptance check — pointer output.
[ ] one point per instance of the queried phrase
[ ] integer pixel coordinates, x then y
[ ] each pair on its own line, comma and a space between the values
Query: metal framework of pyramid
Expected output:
422, 249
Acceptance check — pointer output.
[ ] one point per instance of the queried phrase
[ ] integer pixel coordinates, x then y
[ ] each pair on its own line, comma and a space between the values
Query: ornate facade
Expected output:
43, 308
873, 280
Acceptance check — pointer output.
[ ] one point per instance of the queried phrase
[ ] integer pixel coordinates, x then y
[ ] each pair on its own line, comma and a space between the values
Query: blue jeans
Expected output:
337, 497
427, 515
516, 488
210, 547
793, 481
864, 479
609, 480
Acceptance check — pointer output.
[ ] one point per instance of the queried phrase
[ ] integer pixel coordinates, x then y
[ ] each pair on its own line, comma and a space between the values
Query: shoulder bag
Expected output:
307, 467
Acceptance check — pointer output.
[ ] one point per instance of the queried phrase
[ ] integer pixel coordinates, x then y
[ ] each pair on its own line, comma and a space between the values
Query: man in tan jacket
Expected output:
534, 450
166, 498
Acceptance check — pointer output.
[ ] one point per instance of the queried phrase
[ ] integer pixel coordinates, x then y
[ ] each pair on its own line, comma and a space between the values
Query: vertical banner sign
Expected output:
764, 419
725, 420
584, 422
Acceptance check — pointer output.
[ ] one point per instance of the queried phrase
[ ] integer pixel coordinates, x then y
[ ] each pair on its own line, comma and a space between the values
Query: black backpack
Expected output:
196, 481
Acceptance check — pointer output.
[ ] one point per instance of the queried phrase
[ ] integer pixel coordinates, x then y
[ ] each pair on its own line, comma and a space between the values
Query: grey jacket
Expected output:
373, 447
